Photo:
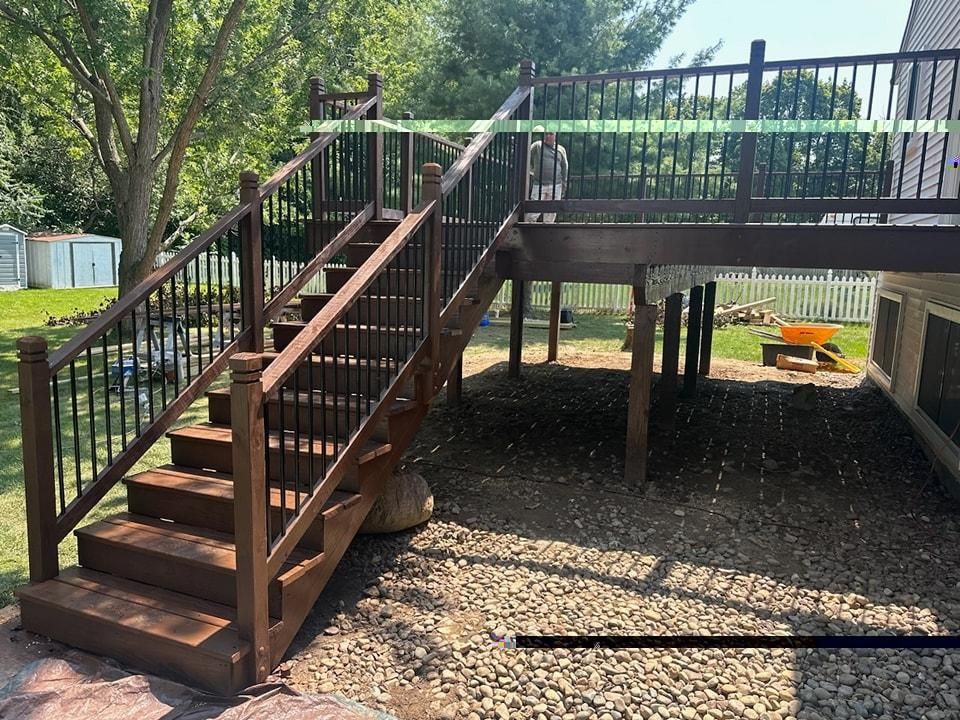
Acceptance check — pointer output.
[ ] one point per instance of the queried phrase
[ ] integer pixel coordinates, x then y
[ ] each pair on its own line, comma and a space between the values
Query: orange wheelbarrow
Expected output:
814, 335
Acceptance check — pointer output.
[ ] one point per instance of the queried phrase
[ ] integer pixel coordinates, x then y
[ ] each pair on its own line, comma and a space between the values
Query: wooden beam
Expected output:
455, 383
694, 319
706, 332
553, 336
641, 377
903, 248
670, 362
516, 328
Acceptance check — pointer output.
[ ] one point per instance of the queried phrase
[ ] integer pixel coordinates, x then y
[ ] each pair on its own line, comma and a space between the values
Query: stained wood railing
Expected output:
820, 147
93, 407
305, 419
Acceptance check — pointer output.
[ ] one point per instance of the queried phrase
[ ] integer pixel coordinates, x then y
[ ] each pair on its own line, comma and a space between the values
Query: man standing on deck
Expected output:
548, 173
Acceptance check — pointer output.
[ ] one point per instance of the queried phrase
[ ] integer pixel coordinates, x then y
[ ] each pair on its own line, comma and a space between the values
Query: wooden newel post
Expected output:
37, 433
375, 147
250, 508
251, 265
432, 173
317, 174
406, 168
748, 140
528, 71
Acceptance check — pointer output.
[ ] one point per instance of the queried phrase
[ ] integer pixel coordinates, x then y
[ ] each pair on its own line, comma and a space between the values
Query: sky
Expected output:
792, 29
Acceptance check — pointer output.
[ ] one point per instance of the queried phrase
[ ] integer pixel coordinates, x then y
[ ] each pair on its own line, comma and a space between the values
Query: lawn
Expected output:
24, 313
604, 333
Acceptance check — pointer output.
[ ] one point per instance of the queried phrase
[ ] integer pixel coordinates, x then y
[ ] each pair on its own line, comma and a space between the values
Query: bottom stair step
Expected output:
144, 626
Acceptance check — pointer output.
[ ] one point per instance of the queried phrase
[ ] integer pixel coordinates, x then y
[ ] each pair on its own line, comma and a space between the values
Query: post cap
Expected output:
246, 366
374, 81
433, 171
407, 115
528, 70
32, 345
316, 83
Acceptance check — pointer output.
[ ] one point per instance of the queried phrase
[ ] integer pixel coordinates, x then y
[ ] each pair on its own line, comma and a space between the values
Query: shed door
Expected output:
93, 264
10, 270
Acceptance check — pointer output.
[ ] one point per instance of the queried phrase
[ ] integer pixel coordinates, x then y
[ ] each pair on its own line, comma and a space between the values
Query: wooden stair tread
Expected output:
193, 545
400, 405
378, 364
156, 614
211, 432
191, 481
352, 327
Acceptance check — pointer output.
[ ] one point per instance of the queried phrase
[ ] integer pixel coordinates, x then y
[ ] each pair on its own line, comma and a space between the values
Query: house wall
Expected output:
932, 24
915, 291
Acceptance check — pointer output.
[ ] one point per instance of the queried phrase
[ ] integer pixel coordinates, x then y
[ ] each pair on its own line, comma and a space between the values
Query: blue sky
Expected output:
809, 28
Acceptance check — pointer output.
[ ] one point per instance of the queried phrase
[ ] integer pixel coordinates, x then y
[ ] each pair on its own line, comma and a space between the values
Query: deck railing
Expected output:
818, 145
303, 420
93, 407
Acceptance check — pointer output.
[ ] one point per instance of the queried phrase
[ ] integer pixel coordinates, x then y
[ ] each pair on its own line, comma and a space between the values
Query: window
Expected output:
938, 392
885, 328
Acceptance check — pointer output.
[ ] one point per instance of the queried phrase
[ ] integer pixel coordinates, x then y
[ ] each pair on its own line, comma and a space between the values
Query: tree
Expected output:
475, 64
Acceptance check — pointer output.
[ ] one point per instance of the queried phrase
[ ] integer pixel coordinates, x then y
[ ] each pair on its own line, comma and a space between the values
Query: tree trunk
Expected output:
133, 214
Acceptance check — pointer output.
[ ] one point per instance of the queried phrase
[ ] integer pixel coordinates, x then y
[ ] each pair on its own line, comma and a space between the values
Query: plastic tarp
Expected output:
81, 688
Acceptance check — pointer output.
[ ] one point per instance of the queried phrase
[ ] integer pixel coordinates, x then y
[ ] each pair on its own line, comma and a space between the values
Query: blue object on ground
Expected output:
485, 320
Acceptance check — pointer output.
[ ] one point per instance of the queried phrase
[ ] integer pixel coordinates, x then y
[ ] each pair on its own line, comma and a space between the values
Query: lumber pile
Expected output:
759, 312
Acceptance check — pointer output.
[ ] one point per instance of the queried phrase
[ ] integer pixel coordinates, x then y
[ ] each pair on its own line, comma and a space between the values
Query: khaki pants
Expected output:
544, 192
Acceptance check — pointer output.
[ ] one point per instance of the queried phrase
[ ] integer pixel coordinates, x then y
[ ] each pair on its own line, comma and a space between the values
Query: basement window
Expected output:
938, 392
885, 327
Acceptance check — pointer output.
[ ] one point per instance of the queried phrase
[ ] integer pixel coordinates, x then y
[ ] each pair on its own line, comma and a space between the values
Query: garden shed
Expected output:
72, 260
13, 258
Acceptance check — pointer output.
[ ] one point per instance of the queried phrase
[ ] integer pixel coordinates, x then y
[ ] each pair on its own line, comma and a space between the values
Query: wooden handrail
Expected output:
478, 144
286, 363
643, 74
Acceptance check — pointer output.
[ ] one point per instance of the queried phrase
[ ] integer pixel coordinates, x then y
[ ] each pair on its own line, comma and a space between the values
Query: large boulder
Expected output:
406, 502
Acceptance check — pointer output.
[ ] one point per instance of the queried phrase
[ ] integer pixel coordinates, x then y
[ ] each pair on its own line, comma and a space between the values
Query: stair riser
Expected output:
404, 282
365, 344
383, 313
336, 380
171, 573
215, 455
202, 511
117, 641
324, 421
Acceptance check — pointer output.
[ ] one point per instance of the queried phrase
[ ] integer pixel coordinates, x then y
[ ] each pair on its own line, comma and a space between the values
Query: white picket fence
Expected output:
802, 297
822, 298
583, 297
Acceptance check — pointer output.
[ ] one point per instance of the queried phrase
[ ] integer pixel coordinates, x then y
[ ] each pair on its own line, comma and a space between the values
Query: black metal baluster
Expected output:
123, 385
106, 397
926, 135
76, 425
58, 436
865, 137
813, 116
826, 152
949, 116
846, 136
186, 320
91, 414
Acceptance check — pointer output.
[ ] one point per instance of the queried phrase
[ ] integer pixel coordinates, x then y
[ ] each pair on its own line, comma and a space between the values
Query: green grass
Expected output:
24, 313
605, 333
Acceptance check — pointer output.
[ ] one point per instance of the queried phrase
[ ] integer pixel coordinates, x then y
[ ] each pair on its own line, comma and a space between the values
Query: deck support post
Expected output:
250, 510
251, 268
38, 472
455, 383
670, 359
694, 320
553, 337
641, 377
516, 328
706, 332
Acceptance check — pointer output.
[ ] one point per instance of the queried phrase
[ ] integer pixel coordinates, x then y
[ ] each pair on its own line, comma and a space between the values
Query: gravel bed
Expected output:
763, 516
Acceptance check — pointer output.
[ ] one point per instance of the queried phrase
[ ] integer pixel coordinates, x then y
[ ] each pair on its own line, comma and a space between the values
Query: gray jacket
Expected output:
545, 161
